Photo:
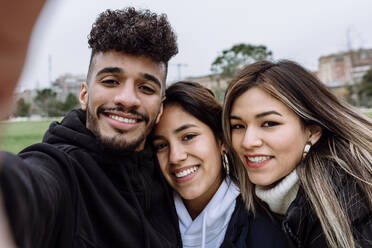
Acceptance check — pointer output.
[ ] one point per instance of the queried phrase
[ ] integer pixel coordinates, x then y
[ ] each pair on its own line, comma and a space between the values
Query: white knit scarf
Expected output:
281, 196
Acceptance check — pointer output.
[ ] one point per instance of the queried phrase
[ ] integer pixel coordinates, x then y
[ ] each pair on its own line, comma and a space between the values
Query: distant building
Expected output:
68, 83
63, 85
28, 96
208, 81
362, 62
345, 68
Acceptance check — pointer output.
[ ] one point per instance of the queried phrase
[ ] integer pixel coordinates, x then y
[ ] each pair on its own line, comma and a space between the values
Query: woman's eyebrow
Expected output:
183, 127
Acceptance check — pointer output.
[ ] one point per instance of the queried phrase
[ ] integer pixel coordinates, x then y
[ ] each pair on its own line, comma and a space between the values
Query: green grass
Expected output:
367, 112
18, 135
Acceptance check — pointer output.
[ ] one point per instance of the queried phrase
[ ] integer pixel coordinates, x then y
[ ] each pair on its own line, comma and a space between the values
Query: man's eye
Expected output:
146, 89
161, 146
110, 82
269, 124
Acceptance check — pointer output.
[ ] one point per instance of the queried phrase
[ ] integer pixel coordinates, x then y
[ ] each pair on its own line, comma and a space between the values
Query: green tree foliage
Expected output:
365, 89
43, 100
46, 101
55, 108
71, 102
23, 108
48, 104
366, 84
233, 59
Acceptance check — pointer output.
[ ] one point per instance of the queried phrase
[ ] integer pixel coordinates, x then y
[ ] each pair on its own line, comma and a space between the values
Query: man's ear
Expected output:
159, 114
83, 97
315, 132
160, 111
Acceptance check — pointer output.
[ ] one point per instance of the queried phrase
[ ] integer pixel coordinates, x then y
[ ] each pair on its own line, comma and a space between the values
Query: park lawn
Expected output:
18, 135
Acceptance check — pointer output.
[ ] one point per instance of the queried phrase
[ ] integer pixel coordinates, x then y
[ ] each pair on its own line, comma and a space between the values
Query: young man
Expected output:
93, 182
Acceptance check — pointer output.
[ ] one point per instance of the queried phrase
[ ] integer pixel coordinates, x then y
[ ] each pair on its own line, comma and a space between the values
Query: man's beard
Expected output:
118, 142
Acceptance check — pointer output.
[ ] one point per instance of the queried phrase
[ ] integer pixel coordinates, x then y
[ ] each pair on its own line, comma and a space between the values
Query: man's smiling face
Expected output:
123, 98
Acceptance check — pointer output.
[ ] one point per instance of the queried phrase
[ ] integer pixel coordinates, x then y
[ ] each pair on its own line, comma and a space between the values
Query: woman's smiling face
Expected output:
267, 135
189, 154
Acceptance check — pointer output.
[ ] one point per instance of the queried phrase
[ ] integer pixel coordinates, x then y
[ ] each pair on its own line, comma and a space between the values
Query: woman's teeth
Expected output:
186, 172
258, 159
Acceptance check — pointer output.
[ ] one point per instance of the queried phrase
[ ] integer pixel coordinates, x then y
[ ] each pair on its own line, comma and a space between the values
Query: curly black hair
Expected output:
136, 32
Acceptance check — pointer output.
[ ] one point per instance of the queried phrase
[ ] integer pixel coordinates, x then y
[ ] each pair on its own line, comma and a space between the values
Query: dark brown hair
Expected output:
197, 101
135, 32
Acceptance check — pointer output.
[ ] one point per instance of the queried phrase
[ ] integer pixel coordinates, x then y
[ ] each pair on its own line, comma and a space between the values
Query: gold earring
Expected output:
306, 149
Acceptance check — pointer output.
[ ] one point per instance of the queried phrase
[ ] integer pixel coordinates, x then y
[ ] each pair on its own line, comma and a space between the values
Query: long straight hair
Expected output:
345, 144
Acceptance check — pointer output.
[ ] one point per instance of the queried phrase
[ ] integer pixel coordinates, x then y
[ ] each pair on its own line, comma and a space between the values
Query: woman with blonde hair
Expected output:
302, 153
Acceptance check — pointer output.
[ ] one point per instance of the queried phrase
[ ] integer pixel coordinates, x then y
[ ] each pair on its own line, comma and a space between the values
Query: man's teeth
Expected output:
186, 172
122, 119
258, 159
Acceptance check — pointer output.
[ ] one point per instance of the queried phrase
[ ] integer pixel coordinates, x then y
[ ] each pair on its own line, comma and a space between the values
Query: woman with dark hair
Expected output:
301, 152
193, 160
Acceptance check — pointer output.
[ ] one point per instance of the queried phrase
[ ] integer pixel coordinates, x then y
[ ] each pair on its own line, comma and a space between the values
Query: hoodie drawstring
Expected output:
204, 228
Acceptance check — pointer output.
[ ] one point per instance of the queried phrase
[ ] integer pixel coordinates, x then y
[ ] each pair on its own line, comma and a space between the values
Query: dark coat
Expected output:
70, 192
245, 230
303, 228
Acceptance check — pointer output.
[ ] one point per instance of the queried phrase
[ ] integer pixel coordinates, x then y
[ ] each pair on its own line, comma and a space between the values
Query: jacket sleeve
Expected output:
34, 193
363, 234
362, 227
359, 211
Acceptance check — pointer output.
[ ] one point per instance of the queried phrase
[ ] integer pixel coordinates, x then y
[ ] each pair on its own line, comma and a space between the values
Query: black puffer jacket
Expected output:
303, 228
80, 195
248, 231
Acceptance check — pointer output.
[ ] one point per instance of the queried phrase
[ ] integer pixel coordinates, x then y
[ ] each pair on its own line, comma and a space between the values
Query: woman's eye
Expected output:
237, 126
159, 147
146, 89
269, 124
188, 137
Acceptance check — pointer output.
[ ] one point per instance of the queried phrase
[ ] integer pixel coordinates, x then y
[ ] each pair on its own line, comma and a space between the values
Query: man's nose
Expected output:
127, 95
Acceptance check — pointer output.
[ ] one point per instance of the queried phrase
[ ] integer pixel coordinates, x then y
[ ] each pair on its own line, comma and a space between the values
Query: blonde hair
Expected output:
344, 148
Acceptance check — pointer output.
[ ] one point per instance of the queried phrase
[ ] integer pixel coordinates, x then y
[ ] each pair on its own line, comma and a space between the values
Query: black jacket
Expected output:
248, 231
303, 228
76, 193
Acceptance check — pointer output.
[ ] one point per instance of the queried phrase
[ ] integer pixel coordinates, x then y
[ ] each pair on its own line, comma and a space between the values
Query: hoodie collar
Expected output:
209, 228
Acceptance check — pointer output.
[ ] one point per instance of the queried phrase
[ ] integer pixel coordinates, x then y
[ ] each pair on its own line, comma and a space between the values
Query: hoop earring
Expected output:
225, 163
306, 149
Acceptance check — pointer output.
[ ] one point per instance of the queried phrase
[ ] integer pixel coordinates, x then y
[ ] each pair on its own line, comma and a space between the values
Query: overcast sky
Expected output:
292, 29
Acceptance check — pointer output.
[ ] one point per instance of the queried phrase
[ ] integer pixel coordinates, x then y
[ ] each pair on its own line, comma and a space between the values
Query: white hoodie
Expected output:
209, 228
